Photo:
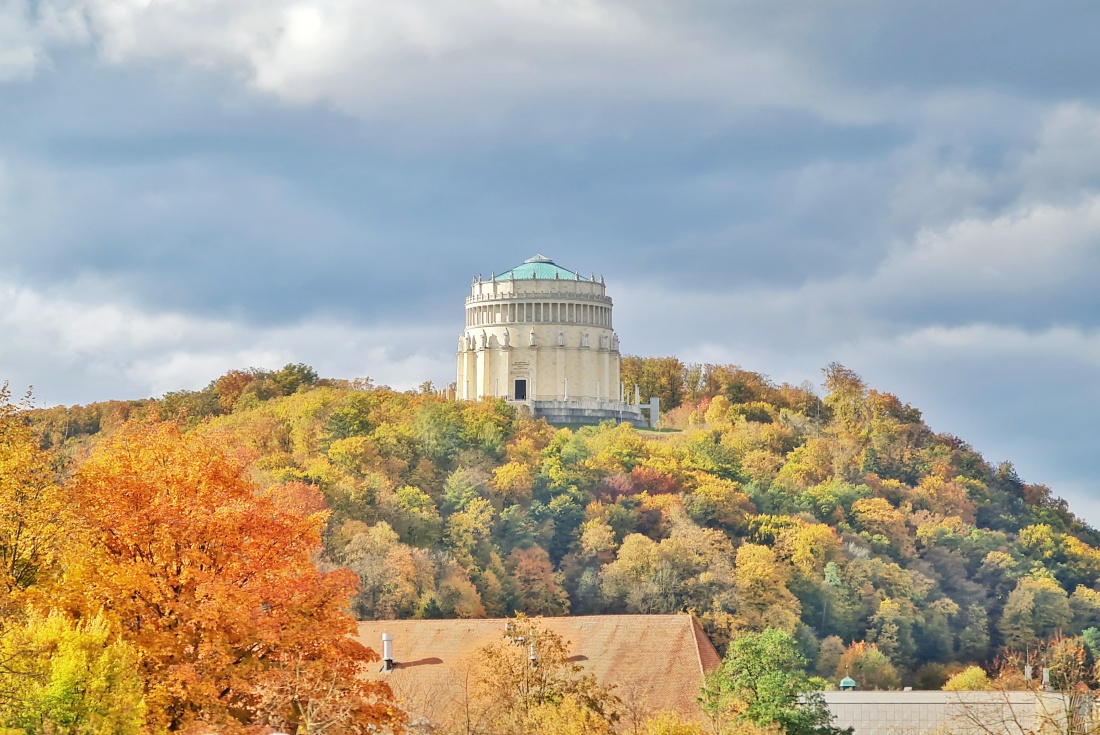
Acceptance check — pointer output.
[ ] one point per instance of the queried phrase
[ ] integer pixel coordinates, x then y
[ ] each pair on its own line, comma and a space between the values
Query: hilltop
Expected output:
843, 520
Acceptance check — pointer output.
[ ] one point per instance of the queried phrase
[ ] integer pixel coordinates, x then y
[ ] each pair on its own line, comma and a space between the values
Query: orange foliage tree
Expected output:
230, 386
212, 580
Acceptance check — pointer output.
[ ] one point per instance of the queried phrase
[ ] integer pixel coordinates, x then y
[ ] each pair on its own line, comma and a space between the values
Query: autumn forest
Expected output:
203, 557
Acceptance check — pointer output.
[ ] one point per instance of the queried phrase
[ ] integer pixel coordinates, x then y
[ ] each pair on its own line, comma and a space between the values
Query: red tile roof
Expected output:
655, 662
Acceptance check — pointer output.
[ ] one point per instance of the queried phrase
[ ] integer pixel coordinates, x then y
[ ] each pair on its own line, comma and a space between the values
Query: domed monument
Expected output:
540, 335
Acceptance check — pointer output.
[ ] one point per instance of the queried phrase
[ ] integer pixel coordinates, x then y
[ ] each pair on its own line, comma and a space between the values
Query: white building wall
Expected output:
555, 334
946, 713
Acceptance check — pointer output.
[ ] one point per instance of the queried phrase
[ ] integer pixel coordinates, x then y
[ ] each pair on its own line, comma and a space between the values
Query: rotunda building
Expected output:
543, 336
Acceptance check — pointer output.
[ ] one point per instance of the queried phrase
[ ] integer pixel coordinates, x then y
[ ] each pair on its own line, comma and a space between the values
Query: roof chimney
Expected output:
387, 652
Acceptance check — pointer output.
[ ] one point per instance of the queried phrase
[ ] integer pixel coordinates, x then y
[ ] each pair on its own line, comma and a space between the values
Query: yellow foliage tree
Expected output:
808, 546
526, 683
567, 717
670, 723
719, 501
32, 508
945, 498
718, 411
970, 679
61, 676
877, 516
675, 723
512, 482
763, 600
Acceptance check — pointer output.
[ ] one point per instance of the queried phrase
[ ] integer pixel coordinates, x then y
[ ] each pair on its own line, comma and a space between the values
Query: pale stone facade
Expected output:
543, 336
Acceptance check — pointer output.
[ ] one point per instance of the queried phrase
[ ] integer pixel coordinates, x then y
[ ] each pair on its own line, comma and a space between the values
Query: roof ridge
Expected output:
703, 645
683, 615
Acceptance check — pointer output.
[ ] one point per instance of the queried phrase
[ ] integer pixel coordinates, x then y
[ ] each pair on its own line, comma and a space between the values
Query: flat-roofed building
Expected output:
959, 713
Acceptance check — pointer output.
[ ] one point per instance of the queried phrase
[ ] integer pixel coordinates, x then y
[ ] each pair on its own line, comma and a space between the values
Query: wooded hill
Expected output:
843, 520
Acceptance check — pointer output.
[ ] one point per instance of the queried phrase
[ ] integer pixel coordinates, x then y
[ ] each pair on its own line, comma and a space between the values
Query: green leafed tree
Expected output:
763, 680
293, 376
656, 377
1037, 608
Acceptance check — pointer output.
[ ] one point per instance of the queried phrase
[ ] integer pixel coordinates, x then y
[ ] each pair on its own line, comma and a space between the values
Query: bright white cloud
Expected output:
64, 345
1067, 155
18, 58
474, 59
28, 31
1025, 252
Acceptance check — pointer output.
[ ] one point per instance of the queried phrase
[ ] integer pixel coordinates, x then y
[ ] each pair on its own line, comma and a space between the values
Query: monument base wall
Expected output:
586, 411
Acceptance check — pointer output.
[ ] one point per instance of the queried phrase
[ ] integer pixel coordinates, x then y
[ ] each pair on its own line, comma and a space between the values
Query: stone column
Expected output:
505, 357
586, 362
480, 374
532, 389
605, 371
616, 371
559, 364
461, 370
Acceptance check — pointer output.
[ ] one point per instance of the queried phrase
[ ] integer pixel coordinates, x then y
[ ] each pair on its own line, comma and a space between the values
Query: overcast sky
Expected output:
909, 188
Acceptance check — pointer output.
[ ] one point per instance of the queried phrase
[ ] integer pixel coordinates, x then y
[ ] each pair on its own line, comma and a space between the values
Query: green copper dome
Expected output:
540, 267
847, 683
